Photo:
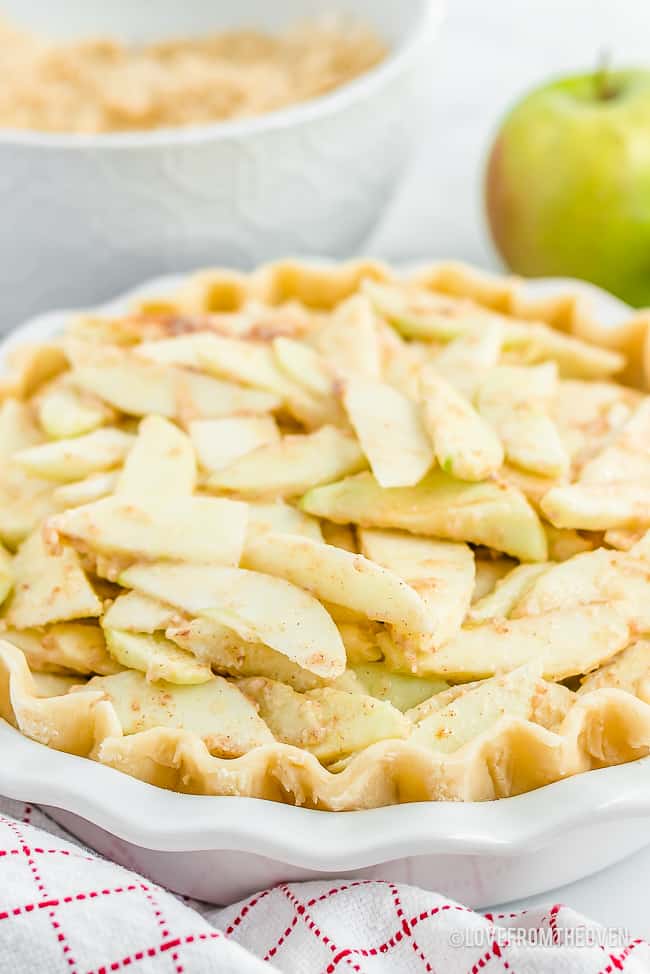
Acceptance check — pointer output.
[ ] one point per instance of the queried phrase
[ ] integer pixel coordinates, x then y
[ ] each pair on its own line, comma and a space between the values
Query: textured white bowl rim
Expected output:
157, 819
419, 35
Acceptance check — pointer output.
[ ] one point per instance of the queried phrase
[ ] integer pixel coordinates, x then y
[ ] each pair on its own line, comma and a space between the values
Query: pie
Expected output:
331, 535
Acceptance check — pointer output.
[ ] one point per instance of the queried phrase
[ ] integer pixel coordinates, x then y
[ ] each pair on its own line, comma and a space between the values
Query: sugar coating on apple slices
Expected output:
331, 536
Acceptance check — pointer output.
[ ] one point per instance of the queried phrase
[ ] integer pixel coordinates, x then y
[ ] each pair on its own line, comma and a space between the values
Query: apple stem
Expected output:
605, 90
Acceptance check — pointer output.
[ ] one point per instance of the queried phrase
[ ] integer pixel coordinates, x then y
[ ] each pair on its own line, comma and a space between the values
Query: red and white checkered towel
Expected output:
64, 910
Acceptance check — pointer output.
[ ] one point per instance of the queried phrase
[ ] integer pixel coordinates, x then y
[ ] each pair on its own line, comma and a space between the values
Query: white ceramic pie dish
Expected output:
220, 849
85, 216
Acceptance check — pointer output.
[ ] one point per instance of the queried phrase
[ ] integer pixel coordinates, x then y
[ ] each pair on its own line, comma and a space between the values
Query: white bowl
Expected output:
85, 216
220, 849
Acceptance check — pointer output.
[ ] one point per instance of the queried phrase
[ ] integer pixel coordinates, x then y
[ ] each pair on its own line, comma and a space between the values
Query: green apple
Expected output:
568, 183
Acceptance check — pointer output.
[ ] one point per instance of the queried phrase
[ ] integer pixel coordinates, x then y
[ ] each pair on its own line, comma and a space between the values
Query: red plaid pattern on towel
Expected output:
64, 910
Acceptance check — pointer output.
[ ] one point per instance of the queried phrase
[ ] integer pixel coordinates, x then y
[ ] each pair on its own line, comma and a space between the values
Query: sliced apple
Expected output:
48, 587
73, 459
401, 690
507, 593
564, 543
54, 684
465, 445
488, 572
477, 711
361, 639
420, 313
603, 576
487, 513
221, 647
597, 507
339, 576
348, 339
156, 657
29, 366
259, 608
135, 612
328, 723
77, 647
516, 401
303, 365
64, 412
196, 529
277, 516
442, 573
390, 430
628, 670
160, 465
566, 642
139, 389
85, 491
216, 711
465, 359
290, 467
219, 442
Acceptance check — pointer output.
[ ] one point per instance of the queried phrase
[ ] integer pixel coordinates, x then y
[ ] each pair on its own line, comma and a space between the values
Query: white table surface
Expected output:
489, 54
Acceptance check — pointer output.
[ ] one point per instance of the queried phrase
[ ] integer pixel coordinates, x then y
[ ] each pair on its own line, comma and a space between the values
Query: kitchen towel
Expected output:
65, 910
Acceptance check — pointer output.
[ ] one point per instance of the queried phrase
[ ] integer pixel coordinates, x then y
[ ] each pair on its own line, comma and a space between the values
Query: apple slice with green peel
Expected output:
477, 711
329, 723
507, 593
465, 445
161, 464
629, 670
77, 647
441, 572
249, 362
48, 587
259, 608
303, 365
140, 389
73, 459
390, 430
339, 576
135, 612
516, 402
221, 647
565, 642
488, 513
278, 516
64, 412
156, 657
348, 339
217, 712
399, 689
194, 529
418, 313
597, 507
290, 467
463, 360
219, 442
6, 574
85, 491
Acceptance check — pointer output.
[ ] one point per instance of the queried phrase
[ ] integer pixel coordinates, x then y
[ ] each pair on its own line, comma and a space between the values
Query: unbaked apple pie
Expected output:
331, 536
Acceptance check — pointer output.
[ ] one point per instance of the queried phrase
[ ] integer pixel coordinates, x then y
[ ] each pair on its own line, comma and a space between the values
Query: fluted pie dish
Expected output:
330, 535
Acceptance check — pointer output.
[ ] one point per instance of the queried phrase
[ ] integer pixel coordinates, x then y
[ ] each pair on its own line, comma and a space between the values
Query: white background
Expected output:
491, 52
